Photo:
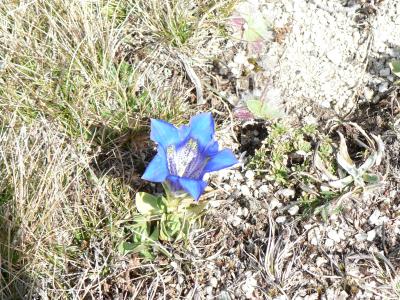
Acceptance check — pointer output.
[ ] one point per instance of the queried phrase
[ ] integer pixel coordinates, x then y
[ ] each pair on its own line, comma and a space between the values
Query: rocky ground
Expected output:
326, 59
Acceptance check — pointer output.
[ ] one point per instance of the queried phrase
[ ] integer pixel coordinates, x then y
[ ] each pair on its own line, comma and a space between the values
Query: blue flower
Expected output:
186, 153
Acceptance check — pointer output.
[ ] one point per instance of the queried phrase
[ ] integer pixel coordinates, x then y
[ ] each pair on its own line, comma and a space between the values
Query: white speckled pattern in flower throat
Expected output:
187, 160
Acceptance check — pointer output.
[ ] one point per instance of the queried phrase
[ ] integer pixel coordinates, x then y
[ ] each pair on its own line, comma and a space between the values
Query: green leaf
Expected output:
126, 247
251, 35
395, 67
371, 178
263, 109
148, 204
270, 112
255, 107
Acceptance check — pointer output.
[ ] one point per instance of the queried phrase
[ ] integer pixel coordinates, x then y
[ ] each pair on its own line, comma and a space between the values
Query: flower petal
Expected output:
223, 159
211, 149
202, 128
183, 132
163, 133
157, 170
194, 187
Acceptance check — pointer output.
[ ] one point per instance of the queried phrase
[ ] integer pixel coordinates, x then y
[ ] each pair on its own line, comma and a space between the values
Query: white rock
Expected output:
383, 87
343, 296
274, 203
235, 221
381, 220
342, 234
240, 58
264, 189
374, 217
287, 193
361, 237
249, 285
371, 235
320, 261
242, 211
280, 219
333, 235
384, 72
245, 190
334, 56
249, 174
293, 210
329, 243
314, 236
214, 282
209, 290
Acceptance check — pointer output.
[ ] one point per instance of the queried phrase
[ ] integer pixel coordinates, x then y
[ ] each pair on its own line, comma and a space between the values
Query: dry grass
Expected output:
76, 78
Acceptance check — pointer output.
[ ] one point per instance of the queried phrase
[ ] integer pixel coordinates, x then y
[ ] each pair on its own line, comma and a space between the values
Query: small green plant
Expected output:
284, 151
250, 25
164, 218
304, 160
361, 176
264, 109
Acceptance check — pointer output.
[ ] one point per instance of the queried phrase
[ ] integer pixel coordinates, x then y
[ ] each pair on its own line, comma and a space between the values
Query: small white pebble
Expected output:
242, 211
264, 189
320, 261
374, 217
333, 235
361, 237
249, 174
214, 282
274, 203
293, 210
384, 72
371, 235
236, 221
245, 190
329, 243
280, 220
287, 193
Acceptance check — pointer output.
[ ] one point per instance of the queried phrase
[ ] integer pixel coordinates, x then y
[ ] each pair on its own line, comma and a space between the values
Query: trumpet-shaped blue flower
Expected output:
186, 153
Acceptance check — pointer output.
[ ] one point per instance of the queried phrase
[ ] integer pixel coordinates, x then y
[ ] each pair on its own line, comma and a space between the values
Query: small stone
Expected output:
361, 237
242, 211
249, 285
342, 234
274, 203
335, 56
236, 221
209, 290
320, 261
245, 190
280, 220
374, 217
293, 210
329, 243
383, 87
286, 193
214, 282
333, 235
371, 235
264, 189
314, 236
249, 174
343, 295
384, 72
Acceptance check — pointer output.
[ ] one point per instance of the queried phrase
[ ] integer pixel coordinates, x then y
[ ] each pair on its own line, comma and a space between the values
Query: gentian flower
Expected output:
186, 153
